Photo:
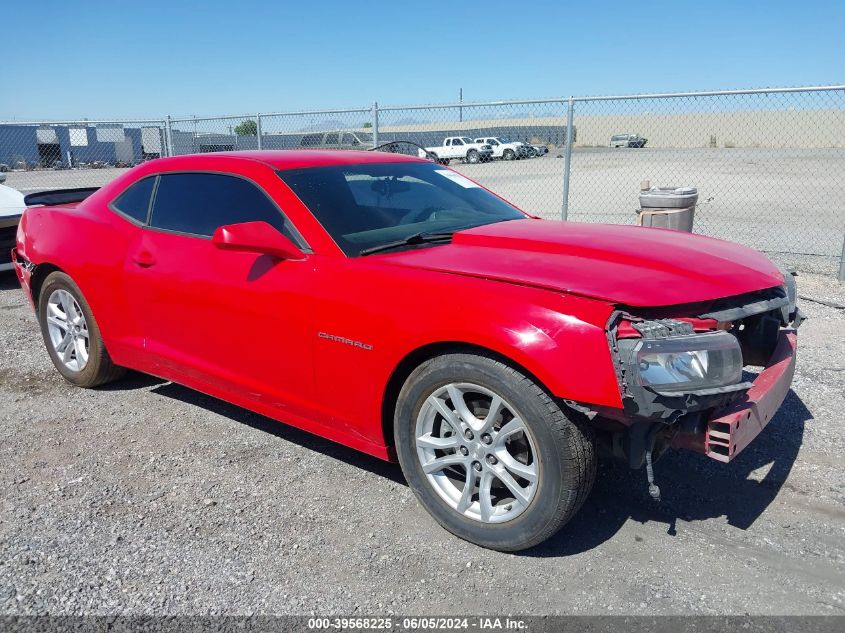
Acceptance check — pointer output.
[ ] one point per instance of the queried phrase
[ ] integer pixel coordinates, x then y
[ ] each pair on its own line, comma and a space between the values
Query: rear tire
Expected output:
553, 447
71, 334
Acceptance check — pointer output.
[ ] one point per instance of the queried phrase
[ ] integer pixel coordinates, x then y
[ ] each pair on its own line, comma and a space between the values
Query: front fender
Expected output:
371, 318
564, 346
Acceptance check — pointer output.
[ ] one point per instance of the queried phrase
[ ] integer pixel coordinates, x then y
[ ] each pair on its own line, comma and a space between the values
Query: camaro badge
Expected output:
345, 341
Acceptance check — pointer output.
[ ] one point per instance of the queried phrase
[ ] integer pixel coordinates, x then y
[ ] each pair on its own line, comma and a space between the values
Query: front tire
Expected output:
71, 334
509, 154
473, 157
489, 454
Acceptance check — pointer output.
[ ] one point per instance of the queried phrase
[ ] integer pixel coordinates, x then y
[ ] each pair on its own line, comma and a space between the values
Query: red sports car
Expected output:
397, 307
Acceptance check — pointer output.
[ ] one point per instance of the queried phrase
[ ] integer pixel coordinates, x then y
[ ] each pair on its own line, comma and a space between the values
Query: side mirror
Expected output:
255, 237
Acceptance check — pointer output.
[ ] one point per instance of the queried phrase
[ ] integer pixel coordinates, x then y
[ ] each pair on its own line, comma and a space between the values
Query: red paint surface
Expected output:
246, 327
732, 429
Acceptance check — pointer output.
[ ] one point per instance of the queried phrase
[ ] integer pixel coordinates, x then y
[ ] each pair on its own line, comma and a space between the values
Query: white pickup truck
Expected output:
504, 148
461, 147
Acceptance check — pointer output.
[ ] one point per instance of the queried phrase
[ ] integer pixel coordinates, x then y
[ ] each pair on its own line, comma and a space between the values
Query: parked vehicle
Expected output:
505, 149
4, 167
458, 147
395, 306
11, 208
537, 149
627, 140
337, 139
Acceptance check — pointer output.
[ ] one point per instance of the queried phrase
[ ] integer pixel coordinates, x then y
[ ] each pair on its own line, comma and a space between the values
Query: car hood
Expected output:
627, 265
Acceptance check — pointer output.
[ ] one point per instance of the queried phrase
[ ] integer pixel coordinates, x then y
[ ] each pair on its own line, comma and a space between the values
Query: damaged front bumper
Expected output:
732, 428
718, 420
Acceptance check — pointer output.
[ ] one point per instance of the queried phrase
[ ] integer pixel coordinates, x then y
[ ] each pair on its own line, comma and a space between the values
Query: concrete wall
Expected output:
774, 128
759, 128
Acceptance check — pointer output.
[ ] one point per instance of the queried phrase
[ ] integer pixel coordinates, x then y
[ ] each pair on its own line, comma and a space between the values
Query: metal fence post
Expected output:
168, 133
375, 123
258, 128
842, 261
567, 160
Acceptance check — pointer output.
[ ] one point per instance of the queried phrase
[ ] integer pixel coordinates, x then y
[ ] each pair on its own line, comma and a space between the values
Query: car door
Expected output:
232, 321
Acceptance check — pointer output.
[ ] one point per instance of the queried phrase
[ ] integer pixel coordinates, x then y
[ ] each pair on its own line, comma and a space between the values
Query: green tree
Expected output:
367, 124
247, 128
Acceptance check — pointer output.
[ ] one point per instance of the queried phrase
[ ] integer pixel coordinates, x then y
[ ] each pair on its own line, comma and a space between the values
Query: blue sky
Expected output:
66, 59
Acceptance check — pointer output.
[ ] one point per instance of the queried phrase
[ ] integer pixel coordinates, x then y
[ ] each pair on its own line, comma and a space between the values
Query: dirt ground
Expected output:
144, 497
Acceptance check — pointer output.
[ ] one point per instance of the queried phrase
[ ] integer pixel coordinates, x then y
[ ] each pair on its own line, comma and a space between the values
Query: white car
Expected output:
504, 148
460, 147
11, 208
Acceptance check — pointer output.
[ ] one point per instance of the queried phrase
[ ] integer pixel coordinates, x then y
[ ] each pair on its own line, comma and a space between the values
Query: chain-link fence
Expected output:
35, 156
769, 165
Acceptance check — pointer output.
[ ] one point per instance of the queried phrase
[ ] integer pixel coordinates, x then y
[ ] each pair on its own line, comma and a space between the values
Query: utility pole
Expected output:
460, 100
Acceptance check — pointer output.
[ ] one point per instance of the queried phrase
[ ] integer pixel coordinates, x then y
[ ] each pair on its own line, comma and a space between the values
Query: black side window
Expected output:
332, 138
135, 201
199, 203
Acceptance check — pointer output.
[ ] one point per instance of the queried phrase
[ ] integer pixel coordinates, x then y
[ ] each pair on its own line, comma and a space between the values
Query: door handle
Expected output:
144, 259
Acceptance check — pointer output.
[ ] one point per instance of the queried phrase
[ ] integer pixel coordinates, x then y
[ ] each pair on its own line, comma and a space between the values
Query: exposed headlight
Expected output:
687, 363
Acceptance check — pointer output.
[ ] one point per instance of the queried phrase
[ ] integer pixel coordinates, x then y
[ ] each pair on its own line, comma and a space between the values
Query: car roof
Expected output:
292, 158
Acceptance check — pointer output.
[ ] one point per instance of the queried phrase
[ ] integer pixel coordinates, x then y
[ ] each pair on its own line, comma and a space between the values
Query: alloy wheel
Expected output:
477, 453
68, 330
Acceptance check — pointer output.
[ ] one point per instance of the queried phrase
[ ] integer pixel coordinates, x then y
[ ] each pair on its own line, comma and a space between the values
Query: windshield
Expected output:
466, 140
362, 206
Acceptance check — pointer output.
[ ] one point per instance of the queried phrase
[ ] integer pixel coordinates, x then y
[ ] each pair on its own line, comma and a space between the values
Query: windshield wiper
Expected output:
417, 238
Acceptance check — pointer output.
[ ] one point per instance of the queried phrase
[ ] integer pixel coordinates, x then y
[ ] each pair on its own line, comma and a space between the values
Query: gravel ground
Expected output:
149, 498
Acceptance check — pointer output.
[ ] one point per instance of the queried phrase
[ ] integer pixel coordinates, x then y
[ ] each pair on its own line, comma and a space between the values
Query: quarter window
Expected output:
200, 203
135, 201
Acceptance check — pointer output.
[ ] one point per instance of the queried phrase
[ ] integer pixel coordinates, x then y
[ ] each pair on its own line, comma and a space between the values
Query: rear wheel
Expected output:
489, 454
71, 334
473, 156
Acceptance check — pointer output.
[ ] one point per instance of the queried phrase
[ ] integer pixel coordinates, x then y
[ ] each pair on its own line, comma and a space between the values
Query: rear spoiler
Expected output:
59, 196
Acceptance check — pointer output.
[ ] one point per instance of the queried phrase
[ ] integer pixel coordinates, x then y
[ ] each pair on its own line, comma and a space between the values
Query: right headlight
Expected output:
686, 363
